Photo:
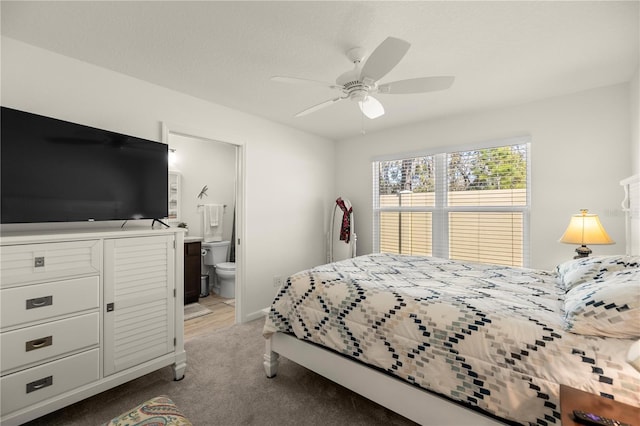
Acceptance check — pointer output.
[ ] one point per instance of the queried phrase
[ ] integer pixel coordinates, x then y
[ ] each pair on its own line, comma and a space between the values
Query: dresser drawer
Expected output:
33, 344
48, 380
36, 302
27, 263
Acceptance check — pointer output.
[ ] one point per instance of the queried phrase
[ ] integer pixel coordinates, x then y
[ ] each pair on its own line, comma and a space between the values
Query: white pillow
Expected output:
607, 307
579, 271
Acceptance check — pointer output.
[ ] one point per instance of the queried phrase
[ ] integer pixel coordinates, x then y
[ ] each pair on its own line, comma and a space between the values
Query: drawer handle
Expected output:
39, 302
38, 262
38, 343
39, 384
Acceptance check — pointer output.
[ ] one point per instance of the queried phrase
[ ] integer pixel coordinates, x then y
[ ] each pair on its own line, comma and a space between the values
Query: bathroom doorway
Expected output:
207, 171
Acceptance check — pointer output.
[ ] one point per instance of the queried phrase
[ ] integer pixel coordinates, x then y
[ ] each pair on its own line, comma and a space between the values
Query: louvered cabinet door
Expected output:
139, 300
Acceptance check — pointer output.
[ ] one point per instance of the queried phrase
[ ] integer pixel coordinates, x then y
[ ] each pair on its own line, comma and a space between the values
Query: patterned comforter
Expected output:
489, 336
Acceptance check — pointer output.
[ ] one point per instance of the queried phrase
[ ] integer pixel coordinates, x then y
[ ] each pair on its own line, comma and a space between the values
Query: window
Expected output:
470, 204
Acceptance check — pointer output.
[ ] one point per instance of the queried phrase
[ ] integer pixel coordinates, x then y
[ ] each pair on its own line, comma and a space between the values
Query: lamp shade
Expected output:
585, 229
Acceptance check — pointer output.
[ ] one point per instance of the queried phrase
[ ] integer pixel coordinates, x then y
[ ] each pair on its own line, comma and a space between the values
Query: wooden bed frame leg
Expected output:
271, 360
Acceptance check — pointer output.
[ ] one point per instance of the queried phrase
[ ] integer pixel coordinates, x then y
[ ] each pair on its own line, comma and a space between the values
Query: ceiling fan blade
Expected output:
384, 58
303, 81
371, 107
417, 85
318, 106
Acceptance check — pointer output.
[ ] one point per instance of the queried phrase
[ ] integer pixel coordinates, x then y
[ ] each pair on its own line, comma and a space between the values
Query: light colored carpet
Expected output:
230, 302
225, 385
195, 310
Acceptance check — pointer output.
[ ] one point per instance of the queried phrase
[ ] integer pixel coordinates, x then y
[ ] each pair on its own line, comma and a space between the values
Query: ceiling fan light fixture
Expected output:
359, 83
371, 107
358, 95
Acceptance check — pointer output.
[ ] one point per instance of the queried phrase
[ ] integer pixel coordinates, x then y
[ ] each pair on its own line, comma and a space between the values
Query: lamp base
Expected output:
583, 251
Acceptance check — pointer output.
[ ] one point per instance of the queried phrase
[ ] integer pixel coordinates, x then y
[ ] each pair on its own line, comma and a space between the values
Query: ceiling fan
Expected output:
361, 83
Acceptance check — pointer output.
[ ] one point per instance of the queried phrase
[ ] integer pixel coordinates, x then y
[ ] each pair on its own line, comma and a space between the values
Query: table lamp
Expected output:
585, 229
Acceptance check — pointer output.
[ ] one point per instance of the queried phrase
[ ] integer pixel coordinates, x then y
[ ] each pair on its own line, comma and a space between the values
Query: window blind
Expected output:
470, 204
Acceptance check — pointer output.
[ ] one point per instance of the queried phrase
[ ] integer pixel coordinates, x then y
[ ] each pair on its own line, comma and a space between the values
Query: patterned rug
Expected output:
195, 310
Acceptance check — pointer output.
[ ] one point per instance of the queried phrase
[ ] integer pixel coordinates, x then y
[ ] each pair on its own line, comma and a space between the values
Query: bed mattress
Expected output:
489, 336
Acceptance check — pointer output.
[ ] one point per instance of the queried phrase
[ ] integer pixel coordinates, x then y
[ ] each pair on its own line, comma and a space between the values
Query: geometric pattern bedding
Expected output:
489, 336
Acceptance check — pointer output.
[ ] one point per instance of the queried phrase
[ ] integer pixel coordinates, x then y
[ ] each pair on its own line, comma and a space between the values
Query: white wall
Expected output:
579, 153
289, 174
204, 162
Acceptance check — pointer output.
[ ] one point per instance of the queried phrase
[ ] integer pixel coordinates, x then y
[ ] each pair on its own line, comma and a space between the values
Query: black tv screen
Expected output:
56, 171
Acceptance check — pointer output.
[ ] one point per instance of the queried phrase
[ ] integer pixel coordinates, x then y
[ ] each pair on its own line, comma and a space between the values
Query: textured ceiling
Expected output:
501, 53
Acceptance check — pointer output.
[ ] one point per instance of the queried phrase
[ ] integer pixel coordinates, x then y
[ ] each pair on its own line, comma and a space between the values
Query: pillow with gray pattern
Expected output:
605, 307
579, 271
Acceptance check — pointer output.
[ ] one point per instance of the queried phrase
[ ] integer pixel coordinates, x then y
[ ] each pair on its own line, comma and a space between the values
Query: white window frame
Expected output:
440, 211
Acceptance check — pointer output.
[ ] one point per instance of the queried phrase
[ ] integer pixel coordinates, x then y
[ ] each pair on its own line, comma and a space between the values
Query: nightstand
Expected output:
575, 399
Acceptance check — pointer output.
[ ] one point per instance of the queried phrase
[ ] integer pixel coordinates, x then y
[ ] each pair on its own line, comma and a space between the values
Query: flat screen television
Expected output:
56, 171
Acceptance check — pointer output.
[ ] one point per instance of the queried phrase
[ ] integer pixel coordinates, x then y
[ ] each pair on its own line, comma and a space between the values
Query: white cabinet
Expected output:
49, 299
138, 292
174, 196
35, 385
44, 301
31, 345
83, 312
28, 263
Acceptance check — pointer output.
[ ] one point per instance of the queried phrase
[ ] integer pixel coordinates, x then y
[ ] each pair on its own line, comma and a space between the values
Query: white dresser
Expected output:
82, 312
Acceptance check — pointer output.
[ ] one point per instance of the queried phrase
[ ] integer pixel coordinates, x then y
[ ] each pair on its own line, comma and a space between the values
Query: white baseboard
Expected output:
257, 314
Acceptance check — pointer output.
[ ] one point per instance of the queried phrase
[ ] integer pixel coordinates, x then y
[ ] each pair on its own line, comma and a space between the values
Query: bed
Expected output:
448, 342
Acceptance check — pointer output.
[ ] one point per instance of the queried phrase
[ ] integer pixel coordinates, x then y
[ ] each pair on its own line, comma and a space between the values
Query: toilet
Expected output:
215, 256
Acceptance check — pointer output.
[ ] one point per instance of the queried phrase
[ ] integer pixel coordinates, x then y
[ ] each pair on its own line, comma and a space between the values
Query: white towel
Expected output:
212, 210
212, 215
